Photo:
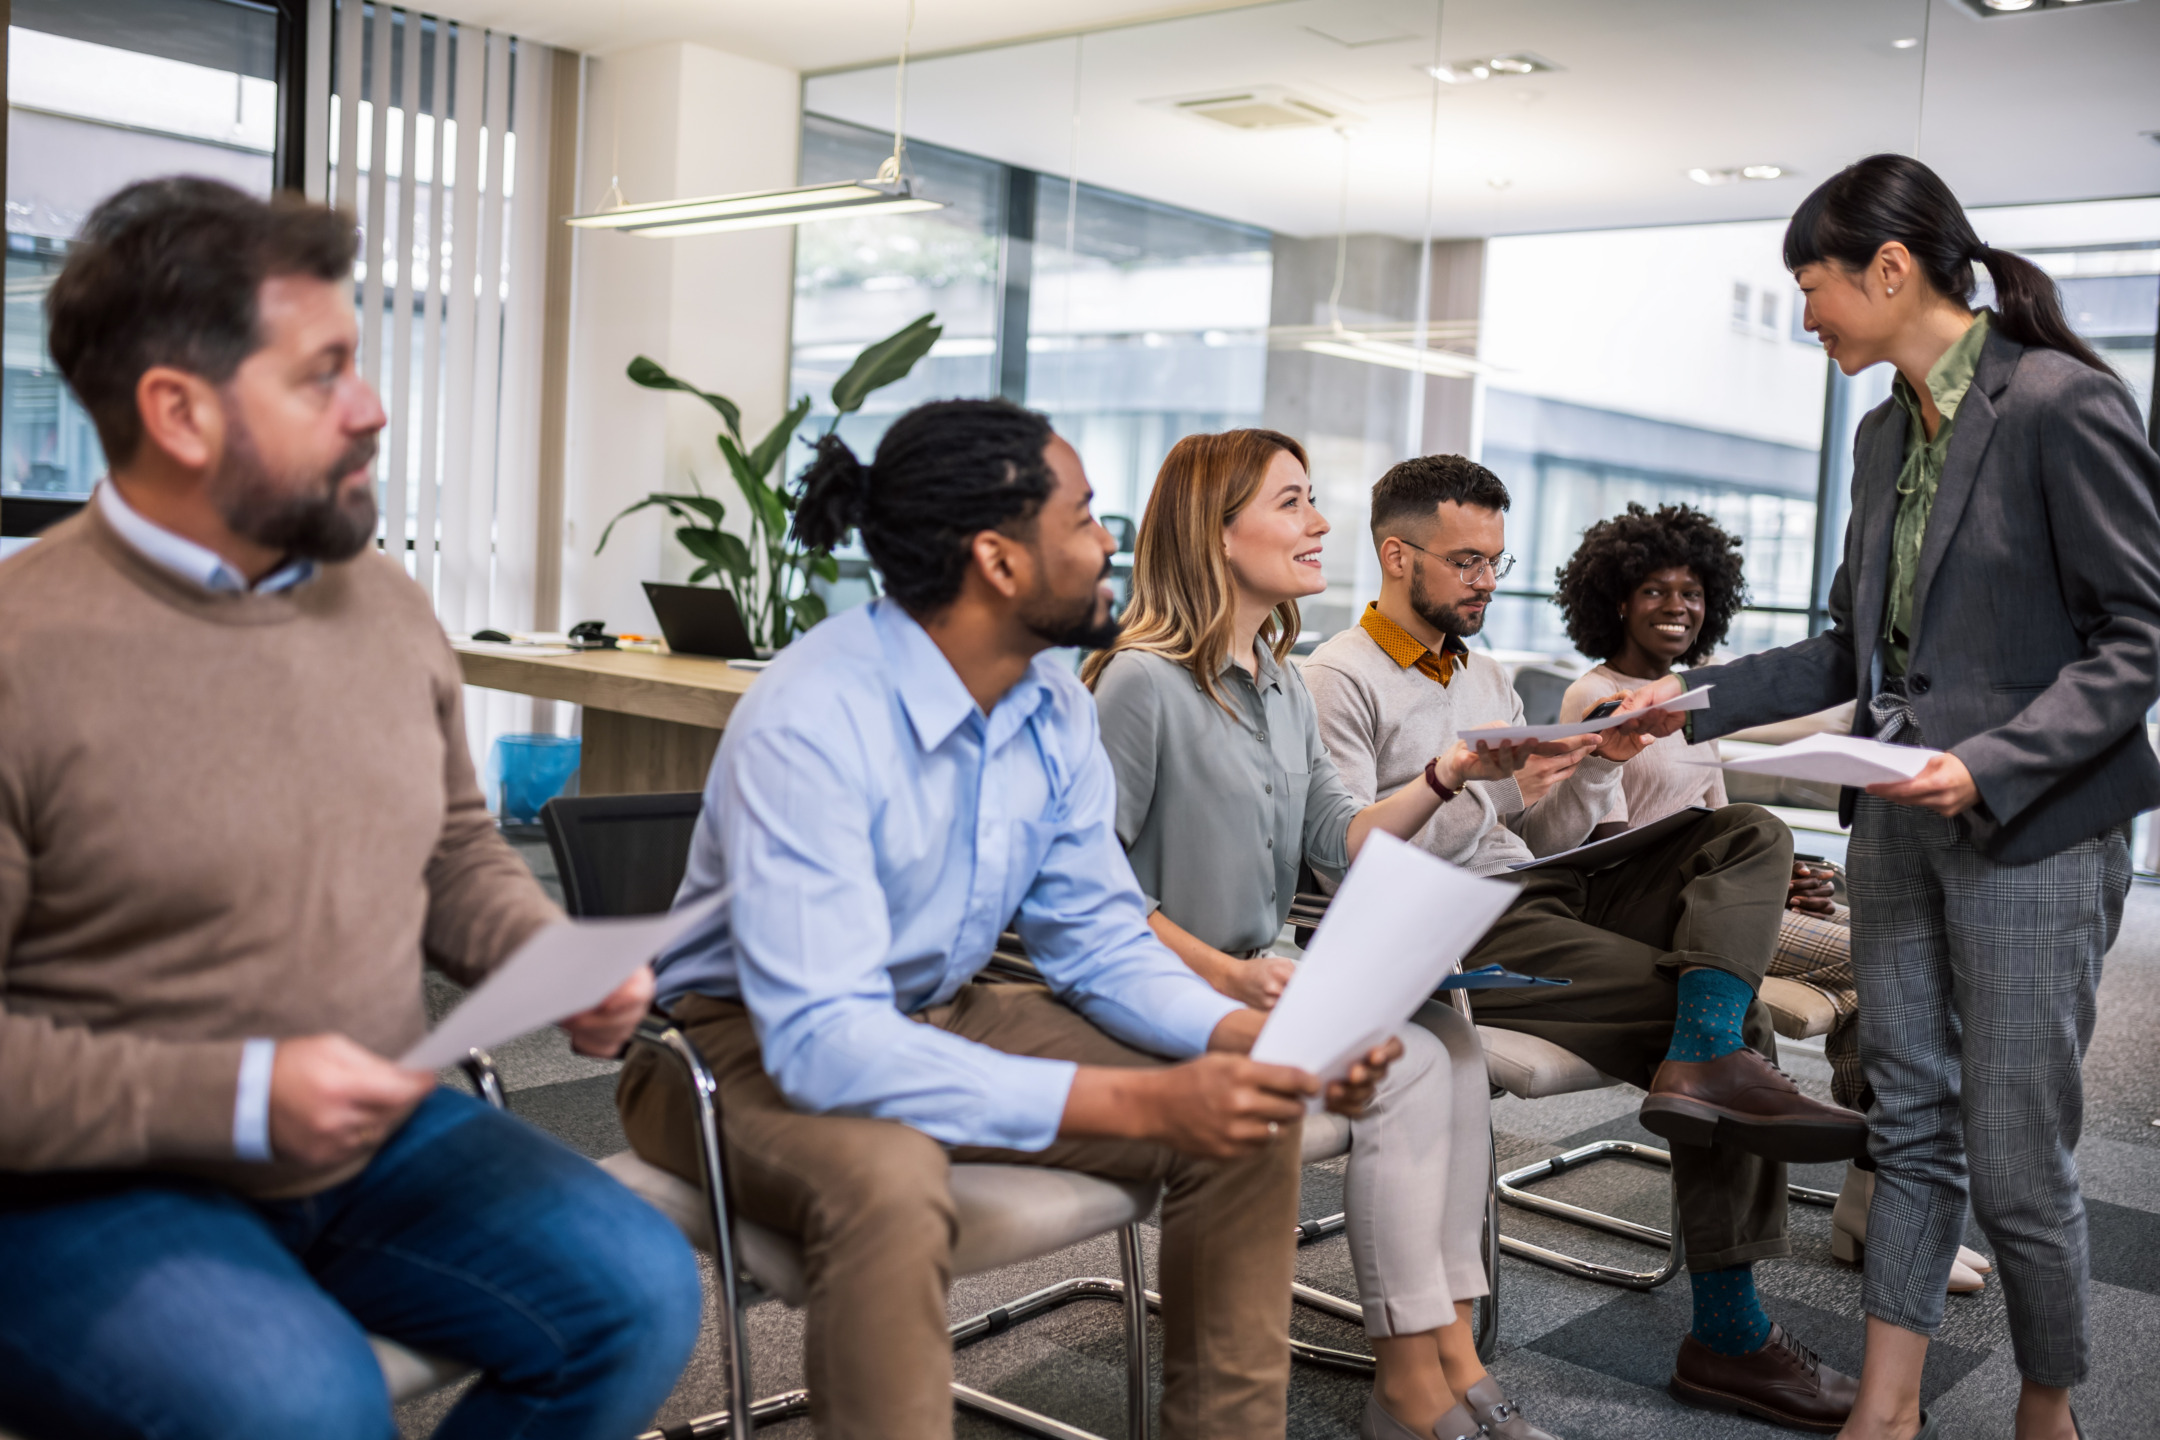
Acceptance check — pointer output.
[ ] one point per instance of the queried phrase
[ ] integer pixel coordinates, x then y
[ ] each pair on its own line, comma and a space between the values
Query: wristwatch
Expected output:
1432, 778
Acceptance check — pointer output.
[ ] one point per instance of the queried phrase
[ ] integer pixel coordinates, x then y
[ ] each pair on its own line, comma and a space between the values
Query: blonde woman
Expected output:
1222, 784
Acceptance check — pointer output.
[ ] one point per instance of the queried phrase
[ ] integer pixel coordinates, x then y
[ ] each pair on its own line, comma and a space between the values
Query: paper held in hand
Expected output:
1838, 760
1515, 734
563, 970
1390, 936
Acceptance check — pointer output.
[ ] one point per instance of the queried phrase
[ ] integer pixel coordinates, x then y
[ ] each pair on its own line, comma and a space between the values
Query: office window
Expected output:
1146, 323
859, 280
1130, 323
1621, 375
101, 93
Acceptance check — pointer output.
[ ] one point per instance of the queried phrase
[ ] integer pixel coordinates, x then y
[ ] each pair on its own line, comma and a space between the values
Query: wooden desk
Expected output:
652, 722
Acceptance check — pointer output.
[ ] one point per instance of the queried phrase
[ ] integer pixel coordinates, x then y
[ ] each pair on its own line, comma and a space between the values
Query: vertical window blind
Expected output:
437, 137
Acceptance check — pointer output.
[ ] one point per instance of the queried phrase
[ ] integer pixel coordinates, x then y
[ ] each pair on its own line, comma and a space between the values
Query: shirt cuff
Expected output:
1031, 1106
1188, 1020
251, 1101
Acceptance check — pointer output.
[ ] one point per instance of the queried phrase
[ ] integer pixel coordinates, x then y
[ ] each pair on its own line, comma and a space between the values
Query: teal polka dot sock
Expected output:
1729, 1317
1707, 1024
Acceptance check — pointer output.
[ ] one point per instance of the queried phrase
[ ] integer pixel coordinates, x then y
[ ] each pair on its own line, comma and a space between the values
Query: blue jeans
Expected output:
175, 1309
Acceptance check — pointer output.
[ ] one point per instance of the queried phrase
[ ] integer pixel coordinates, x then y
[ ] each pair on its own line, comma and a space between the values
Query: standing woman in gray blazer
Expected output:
1999, 602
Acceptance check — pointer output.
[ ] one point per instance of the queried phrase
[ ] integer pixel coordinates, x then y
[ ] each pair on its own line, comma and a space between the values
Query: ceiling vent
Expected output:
1259, 107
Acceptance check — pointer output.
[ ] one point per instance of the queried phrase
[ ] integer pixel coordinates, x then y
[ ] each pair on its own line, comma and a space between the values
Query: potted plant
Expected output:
769, 572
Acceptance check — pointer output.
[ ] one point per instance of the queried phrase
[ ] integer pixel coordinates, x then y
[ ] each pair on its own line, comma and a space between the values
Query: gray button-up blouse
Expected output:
1214, 808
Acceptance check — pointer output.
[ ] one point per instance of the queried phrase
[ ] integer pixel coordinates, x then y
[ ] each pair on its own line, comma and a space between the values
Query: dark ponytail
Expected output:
1853, 214
834, 488
944, 473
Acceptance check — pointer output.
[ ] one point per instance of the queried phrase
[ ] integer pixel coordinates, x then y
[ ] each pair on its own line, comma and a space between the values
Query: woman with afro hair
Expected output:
1649, 590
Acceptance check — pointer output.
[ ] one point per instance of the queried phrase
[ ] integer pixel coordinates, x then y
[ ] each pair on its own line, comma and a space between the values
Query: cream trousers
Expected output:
1420, 1168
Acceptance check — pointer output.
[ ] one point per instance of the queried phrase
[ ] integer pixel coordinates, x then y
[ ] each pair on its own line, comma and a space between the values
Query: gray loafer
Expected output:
1501, 1417
1378, 1424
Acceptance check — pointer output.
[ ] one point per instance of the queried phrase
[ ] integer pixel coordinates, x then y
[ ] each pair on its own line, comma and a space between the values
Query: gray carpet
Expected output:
1588, 1361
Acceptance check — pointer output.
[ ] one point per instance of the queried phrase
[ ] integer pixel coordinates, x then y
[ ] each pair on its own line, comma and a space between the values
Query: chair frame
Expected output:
1129, 1291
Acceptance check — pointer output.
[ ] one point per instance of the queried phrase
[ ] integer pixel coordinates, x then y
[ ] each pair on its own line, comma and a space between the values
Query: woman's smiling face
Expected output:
1664, 613
1273, 544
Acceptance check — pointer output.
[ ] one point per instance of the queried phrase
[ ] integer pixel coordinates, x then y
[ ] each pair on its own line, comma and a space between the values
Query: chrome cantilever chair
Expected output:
1532, 1069
625, 854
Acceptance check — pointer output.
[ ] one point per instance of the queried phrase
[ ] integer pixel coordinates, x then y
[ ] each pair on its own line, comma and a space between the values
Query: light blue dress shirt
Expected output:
205, 567
879, 830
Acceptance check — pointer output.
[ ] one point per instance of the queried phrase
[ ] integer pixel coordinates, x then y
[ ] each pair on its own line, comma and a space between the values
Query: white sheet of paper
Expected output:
565, 969
1496, 734
1391, 934
1839, 760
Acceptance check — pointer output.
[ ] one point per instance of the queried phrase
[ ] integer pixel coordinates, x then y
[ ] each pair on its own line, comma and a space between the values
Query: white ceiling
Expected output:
803, 34
2026, 108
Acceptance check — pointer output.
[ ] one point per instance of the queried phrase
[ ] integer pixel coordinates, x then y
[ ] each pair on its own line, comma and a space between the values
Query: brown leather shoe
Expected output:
1784, 1383
1744, 1101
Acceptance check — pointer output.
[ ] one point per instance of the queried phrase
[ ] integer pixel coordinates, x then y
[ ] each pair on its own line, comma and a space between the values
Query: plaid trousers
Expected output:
1977, 990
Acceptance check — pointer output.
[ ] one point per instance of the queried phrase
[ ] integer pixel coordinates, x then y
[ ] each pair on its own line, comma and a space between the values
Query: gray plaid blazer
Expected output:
2036, 609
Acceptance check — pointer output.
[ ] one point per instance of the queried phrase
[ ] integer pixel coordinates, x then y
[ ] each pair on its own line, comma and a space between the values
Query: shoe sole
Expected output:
1797, 1142
1724, 1404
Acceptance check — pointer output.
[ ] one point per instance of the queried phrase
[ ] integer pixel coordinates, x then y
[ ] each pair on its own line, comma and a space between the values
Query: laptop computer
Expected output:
700, 620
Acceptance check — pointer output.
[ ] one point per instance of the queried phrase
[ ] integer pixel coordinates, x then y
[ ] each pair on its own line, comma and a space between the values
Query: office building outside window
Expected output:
102, 93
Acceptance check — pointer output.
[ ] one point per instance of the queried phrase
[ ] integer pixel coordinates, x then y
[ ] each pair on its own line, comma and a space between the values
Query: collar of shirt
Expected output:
185, 558
1408, 651
1268, 675
931, 693
1947, 380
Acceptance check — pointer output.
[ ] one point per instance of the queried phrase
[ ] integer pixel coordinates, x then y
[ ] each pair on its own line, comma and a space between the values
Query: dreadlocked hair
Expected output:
1617, 555
944, 473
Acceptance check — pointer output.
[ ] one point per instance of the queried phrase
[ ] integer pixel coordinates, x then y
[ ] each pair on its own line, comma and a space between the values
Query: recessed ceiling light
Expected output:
1485, 67
2008, 4
1733, 174
1905, 44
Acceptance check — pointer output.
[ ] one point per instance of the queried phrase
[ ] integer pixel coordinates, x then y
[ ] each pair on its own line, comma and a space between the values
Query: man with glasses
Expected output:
1664, 951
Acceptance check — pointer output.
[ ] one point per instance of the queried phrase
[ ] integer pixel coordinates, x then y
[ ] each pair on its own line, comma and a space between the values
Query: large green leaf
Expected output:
717, 549
774, 445
887, 361
682, 507
822, 565
763, 499
648, 373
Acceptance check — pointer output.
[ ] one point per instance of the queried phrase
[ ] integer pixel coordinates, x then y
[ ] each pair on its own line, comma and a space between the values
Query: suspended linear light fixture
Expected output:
892, 192
1393, 345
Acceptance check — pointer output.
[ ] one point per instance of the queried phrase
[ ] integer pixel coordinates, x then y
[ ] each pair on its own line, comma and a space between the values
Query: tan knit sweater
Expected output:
1382, 721
221, 816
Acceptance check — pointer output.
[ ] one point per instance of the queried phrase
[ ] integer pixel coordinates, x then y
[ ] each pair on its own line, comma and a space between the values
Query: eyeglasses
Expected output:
1471, 568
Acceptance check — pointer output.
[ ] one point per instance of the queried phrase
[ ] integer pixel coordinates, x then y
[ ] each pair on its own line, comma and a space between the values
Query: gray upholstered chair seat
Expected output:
410, 1374
1531, 1069
1009, 1214
1797, 1011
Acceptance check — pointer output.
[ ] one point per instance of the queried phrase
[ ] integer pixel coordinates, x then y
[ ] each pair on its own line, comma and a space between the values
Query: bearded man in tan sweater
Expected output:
237, 814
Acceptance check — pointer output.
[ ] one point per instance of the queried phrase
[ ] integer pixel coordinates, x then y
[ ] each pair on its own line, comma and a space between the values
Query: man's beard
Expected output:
310, 521
1447, 619
1069, 622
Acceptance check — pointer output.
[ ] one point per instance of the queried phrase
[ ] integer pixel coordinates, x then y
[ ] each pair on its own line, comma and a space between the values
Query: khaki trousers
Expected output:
1710, 895
871, 1203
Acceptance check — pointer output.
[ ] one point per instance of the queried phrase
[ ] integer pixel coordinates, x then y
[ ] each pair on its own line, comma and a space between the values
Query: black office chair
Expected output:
621, 854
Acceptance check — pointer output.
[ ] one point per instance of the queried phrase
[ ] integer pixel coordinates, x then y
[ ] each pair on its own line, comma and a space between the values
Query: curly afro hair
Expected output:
1617, 555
